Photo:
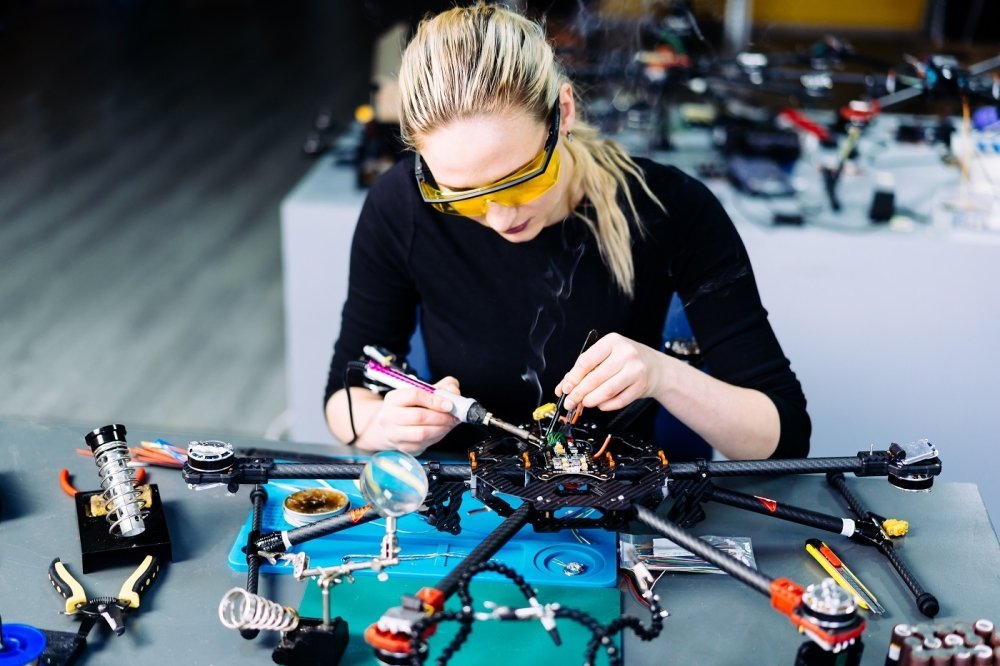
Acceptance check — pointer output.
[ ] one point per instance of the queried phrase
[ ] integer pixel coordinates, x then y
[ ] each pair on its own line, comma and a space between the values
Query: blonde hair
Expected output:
486, 60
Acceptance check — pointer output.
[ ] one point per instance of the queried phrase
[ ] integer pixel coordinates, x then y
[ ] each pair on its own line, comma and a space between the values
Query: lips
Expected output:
518, 229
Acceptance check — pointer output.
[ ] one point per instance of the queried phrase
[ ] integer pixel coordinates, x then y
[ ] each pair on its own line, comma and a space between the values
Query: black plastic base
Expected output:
101, 549
311, 644
62, 648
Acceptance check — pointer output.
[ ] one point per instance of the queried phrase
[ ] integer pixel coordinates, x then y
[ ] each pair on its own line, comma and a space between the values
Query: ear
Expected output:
567, 109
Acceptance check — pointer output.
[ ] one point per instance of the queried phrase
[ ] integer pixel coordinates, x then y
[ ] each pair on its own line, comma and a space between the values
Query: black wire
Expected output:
601, 635
352, 365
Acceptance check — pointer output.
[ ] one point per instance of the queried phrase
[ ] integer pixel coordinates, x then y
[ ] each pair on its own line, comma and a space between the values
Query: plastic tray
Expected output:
540, 557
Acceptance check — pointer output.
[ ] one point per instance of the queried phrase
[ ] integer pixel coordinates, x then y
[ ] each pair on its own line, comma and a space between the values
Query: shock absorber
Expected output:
124, 506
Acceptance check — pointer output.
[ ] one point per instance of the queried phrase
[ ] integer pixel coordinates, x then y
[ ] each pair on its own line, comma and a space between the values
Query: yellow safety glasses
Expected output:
524, 185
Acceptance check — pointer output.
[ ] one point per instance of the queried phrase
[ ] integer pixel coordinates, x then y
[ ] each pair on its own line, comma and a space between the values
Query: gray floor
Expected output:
144, 150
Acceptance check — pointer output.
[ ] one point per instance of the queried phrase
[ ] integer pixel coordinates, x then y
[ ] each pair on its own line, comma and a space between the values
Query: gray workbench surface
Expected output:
952, 549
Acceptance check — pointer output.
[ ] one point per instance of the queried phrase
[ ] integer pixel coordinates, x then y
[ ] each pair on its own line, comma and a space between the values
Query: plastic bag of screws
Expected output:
660, 554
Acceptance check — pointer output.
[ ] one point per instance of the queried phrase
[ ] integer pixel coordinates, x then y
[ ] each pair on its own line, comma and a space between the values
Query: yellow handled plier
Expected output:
110, 609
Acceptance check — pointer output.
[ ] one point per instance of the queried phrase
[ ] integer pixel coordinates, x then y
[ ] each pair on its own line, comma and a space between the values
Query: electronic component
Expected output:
210, 456
903, 459
943, 642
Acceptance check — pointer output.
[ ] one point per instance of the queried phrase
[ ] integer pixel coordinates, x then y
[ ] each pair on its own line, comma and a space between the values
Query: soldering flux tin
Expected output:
312, 504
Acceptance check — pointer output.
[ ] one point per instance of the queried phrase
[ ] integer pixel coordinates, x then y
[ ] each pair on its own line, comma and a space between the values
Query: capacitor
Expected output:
982, 655
932, 642
963, 628
984, 629
941, 658
910, 645
899, 633
942, 629
962, 658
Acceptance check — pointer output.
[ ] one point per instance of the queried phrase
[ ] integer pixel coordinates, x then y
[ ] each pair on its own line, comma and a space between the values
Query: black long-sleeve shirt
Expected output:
508, 319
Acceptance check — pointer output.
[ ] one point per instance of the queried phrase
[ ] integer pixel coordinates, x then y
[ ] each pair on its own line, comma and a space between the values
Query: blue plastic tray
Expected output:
539, 557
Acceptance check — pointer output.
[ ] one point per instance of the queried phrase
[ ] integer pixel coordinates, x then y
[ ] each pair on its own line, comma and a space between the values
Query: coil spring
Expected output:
240, 609
123, 502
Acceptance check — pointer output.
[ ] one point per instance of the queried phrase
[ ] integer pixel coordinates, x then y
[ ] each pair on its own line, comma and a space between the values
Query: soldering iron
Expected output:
463, 408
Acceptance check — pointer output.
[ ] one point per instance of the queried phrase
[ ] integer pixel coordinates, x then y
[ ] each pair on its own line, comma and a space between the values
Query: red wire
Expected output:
634, 588
67, 485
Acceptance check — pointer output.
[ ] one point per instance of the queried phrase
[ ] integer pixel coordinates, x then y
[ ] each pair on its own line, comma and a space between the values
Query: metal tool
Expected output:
240, 609
112, 458
463, 408
591, 339
110, 609
834, 566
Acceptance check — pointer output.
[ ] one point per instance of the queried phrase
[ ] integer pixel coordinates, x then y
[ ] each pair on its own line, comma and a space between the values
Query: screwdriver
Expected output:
844, 577
464, 409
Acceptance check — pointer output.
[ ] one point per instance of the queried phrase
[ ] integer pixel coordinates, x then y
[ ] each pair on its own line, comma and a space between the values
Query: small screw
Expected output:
571, 568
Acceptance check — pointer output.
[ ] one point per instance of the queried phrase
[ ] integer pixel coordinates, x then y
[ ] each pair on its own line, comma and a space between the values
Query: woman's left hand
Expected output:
612, 374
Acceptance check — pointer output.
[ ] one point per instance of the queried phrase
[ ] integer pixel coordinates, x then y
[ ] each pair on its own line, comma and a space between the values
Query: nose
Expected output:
499, 218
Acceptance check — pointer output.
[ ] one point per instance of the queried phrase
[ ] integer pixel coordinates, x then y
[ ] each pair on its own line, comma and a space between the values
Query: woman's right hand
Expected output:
412, 420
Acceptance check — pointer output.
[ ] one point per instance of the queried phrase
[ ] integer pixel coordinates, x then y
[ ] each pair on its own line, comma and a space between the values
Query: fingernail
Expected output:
569, 404
567, 387
445, 406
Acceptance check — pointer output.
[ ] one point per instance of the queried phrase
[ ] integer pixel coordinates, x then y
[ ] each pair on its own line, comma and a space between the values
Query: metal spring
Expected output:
240, 609
123, 502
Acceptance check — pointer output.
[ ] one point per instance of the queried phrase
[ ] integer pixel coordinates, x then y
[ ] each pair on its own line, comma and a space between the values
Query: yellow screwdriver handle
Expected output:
834, 574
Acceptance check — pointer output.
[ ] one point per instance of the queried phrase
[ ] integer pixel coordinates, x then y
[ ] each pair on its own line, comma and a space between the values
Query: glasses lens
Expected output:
515, 195
517, 189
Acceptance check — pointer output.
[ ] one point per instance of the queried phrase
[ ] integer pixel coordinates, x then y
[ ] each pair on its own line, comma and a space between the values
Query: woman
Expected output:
515, 229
